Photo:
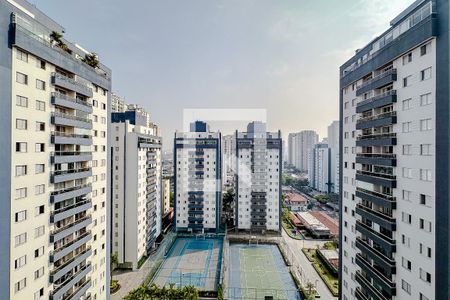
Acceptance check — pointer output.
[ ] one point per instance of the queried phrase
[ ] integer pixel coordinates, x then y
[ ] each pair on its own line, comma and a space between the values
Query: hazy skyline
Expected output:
282, 56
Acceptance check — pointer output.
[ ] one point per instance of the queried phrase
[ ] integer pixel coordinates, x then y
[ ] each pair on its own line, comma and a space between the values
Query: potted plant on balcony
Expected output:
56, 39
91, 59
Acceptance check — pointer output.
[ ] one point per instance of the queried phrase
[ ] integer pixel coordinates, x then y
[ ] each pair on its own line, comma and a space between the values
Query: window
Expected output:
21, 124
40, 85
425, 250
40, 126
38, 273
103, 106
21, 101
20, 262
425, 124
406, 195
20, 285
425, 225
425, 175
425, 99
39, 231
425, 149
407, 149
39, 147
21, 78
20, 239
406, 81
425, 74
424, 199
40, 64
39, 210
95, 118
425, 276
424, 49
21, 193
23, 56
20, 216
407, 218
39, 294
39, 252
422, 297
39, 168
407, 58
406, 264
21, 170
407, 104
406, 287
40, 105
407, 172
21, 147
39, 189
94, 103
406, 241
103, 120
406, 127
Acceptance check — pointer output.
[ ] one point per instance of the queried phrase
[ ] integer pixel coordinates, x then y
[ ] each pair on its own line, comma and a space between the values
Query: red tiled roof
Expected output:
327, 221
295, 219
294, 197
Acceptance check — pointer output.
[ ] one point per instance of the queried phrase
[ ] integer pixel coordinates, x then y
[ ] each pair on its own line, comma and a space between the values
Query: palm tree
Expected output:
310, 286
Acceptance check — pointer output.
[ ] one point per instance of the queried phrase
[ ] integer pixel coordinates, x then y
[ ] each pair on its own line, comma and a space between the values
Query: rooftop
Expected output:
294, 197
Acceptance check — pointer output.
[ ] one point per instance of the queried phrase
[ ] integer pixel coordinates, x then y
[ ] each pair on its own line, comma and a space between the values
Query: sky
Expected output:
279, 55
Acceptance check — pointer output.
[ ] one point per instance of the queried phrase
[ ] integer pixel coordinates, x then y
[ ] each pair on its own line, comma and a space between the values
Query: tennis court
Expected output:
192, 261
259, 271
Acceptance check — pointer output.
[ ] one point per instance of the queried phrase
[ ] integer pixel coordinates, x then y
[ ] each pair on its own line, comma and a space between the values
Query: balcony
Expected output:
384, 179
381, 199
369, 288
81, 290
59, 233
61, 270
384, 119
195, 226
258, 206
386, 283
379, 159
70, 192
258, 213
377, 82
58, 118
70, 246
71, 138
381, 239
195, 219
380, 218
377, 139
71, 84
359, 295
380, 100
72, 174
195, 206
258, 227
60, 289
65, 212
70, 102
195, 211
382, 260
58, 157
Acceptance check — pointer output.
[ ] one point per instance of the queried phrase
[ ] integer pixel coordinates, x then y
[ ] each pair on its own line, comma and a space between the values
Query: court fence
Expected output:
237, 293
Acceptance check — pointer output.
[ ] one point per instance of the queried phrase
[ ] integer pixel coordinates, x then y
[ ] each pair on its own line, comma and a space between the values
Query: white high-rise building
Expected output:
258, 185
136, 186
319, 171
54, 108
229, 155
333, 144
300, 144
395, 160
198, 179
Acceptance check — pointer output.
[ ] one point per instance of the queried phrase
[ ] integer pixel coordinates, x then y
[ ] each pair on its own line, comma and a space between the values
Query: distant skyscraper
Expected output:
54, 115
333, 144
258, 187
229, 154
300, 144
394, 106
117, 103
136, 186
319, 168
198, 179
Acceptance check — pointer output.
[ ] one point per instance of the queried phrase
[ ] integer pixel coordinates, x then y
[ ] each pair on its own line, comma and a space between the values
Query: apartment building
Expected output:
166, 189
333, 144
54, 118
198, 179
258, 179
394, 162
117, 103
300, 143
319, 170
229, 155
136, 186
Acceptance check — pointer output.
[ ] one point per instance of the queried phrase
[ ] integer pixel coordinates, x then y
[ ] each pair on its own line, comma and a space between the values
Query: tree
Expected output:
91, 59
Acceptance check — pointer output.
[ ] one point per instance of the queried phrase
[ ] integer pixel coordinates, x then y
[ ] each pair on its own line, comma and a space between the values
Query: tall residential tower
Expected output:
300, 144
395, 160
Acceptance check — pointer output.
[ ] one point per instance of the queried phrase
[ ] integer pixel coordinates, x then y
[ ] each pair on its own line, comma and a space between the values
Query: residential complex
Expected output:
300, 144
198, 179
55, 160
333, 144
258, 179
319, 168
136, 186
166, 189
229, 155
395, 144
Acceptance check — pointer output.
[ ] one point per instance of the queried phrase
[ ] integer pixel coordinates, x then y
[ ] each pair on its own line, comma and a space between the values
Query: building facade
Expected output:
300, 144
394, 163
198, 179
258, 179
333, 144
319, 170
166, 189
54, 118
136, 186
